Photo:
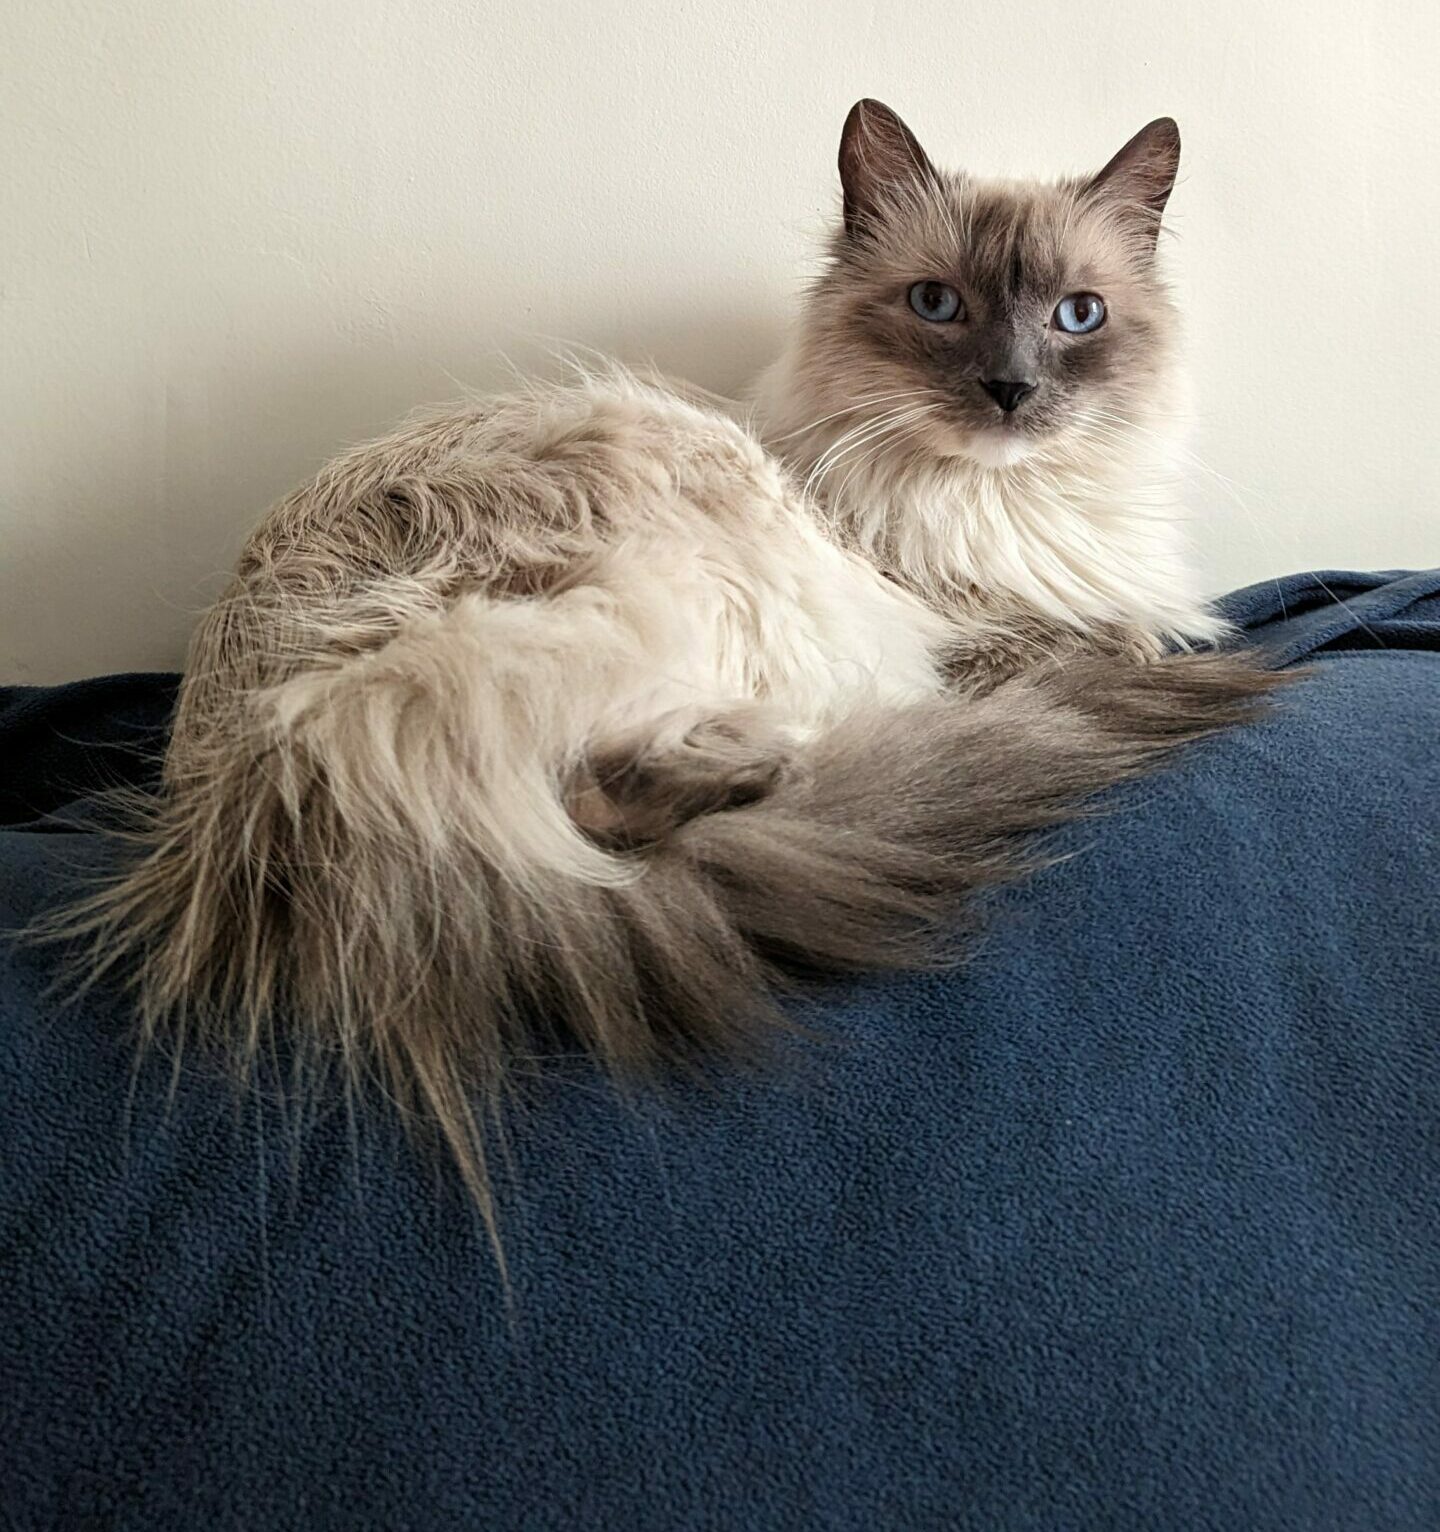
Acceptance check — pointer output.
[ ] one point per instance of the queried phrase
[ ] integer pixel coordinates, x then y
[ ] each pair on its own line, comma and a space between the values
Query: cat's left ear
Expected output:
1141, 176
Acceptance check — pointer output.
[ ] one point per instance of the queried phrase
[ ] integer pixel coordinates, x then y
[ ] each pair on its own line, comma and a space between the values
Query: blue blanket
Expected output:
1130, 1224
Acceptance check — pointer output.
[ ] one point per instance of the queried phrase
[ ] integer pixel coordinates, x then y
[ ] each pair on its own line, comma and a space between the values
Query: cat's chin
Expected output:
995, 449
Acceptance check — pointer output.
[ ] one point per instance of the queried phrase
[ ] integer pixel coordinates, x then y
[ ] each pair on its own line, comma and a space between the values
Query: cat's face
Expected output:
991, 320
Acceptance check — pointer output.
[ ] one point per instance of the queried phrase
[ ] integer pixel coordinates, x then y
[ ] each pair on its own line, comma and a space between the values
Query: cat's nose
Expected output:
1007, 392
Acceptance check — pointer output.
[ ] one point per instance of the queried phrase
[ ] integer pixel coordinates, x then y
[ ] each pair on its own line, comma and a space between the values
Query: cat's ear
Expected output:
877, 153
1141, 176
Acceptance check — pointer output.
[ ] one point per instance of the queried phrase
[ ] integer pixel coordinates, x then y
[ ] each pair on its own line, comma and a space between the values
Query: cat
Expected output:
569, 718
981, 391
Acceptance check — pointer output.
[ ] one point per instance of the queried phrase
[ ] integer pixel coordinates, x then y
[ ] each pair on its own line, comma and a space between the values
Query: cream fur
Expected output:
699, 584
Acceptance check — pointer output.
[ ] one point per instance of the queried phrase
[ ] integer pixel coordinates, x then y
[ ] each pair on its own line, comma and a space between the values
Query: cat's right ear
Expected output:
877, 153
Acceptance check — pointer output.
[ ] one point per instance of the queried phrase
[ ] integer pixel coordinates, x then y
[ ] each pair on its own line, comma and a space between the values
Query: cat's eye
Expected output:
1080, 313
936, 302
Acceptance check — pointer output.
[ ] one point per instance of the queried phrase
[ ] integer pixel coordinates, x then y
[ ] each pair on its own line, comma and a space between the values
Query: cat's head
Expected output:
990, 321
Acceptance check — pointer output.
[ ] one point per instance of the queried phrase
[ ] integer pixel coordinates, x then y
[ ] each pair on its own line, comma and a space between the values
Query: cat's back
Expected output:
605, 478
604, 455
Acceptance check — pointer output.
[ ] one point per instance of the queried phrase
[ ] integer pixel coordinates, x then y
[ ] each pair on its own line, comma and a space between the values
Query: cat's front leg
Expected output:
980, 659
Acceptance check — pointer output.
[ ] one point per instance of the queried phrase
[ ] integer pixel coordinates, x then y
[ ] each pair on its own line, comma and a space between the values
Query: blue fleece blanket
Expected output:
1131, 1224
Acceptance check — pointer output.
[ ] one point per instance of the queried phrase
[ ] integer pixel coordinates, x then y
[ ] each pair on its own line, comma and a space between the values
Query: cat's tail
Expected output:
385, 868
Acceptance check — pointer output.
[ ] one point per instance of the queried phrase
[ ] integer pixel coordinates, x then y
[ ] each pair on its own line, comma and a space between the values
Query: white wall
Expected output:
235, 234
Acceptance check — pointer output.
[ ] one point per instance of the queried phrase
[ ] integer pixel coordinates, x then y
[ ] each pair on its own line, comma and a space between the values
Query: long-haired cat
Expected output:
570, 715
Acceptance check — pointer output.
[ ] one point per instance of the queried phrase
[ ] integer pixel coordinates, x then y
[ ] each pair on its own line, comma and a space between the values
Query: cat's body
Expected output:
571, 715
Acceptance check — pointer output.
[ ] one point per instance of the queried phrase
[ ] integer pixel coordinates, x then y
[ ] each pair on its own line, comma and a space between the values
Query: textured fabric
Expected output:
1130, 1224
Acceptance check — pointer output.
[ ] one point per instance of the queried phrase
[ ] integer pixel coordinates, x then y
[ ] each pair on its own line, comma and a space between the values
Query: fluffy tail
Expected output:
348, 871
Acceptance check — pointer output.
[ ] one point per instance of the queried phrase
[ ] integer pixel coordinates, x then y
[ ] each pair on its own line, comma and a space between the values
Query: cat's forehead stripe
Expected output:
1017, 268
1015, 244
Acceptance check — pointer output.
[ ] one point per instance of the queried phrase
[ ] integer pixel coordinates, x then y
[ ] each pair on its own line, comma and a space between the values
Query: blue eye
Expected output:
936, 302
1080, 313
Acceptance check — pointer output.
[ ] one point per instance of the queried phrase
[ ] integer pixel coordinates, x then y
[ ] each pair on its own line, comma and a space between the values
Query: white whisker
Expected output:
849, 409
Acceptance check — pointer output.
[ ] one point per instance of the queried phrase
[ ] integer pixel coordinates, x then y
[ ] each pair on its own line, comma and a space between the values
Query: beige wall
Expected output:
235, 234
